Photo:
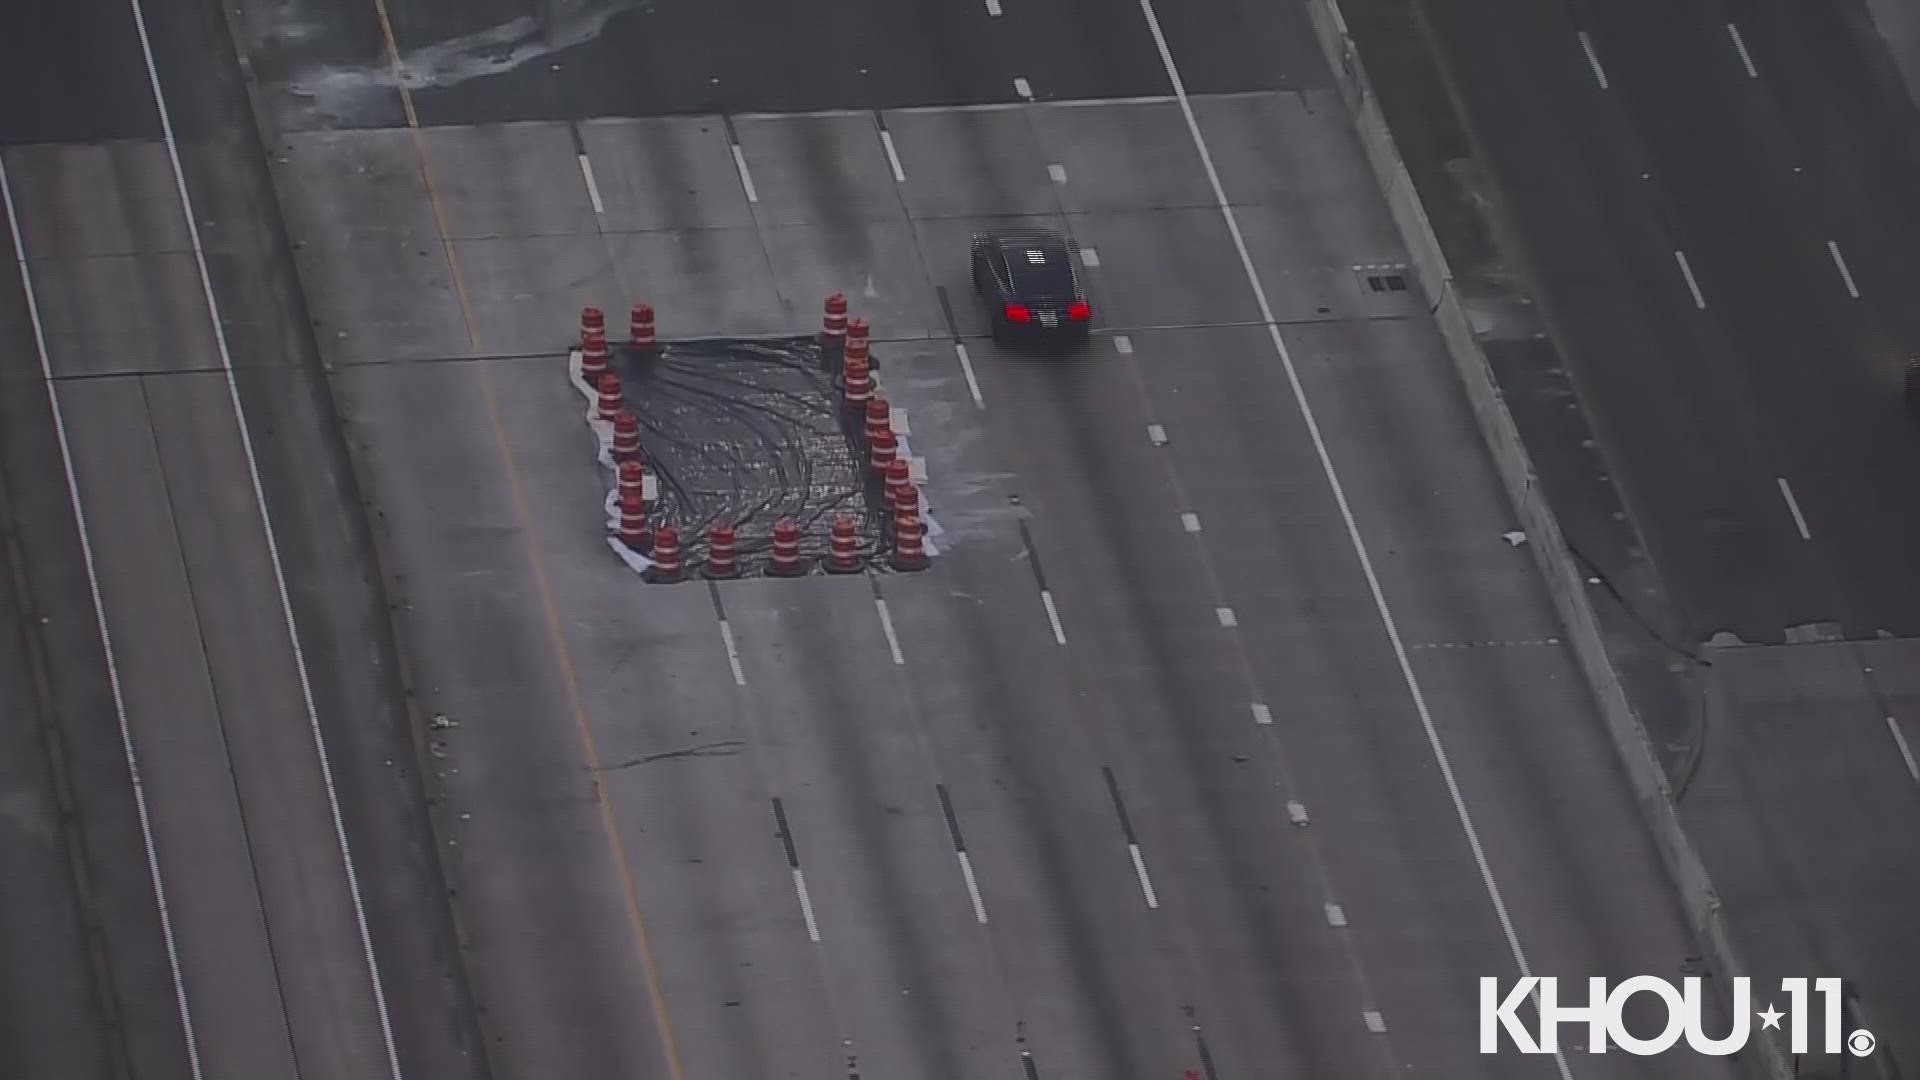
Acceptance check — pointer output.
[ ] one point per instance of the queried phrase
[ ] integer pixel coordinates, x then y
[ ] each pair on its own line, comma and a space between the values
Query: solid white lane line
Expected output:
733, 654
966, 367
1593, 59
1021, 88
128, 754
1692, 286
973, 888
593, 189
746, 178
1793, 504
273, 544
1140, 870
1906, 752
1346, 510
1745, 60
1053, 616
886, 623
1846, 275
806, 903
893, 157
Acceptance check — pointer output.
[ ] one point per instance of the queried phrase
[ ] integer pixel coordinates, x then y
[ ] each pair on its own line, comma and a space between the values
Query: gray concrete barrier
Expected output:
1565, 582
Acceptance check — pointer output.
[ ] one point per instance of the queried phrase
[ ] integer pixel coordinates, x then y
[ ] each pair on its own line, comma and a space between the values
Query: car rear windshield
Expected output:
1040, 271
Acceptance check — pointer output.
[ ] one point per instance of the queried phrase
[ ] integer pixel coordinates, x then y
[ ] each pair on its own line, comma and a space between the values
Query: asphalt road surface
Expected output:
1186, 740
1720, 234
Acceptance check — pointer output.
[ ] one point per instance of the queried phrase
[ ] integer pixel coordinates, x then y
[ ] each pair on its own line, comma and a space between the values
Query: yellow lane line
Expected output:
669, 1045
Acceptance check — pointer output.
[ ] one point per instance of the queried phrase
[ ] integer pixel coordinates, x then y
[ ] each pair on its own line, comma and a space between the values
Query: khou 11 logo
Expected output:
1685, 1017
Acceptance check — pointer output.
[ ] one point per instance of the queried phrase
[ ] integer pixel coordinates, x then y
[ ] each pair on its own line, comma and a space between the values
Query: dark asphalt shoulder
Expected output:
72, 72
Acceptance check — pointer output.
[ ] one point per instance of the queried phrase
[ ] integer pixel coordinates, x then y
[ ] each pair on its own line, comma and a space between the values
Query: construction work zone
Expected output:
733, 457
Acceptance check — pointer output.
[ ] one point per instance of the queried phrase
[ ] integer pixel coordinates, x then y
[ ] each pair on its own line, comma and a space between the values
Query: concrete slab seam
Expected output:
1631, 742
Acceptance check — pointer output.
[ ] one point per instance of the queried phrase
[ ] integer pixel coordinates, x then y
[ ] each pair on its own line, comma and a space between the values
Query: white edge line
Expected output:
593, 189
746, 178
1793, 504
1906, 752
733, 654
886, 623
893, 157
1593, 59
1693, 286
973, 889
1346, 514
806, 903
1846, 275
1140, 869
966, 367
273, 546
1053, 617
1745, 60
106, 636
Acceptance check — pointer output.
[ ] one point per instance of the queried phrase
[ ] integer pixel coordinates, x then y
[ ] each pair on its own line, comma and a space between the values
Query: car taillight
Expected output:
1079, 310
1018, 313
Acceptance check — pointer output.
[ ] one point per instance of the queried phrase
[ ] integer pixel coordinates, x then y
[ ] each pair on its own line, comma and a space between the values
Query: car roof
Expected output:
1040, 262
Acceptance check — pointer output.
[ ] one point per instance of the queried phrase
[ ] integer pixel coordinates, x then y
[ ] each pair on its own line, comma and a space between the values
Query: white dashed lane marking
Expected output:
966, 368
1906, 752
733, 653
1840, 263
893, 157
746, 178
886, 624
1053, 617
1741, 47
1793, 504
1593, 59
1692, 285
593, 189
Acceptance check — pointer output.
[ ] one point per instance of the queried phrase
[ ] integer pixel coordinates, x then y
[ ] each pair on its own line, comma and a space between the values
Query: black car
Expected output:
1029, 282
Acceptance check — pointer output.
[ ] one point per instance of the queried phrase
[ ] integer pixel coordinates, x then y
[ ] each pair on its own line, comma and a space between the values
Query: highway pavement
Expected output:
1748, 399
1143, 776
181, 643
1709, 201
